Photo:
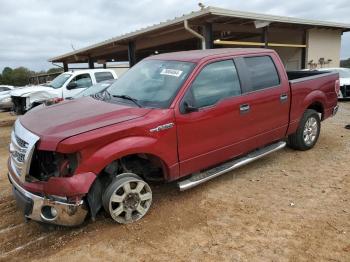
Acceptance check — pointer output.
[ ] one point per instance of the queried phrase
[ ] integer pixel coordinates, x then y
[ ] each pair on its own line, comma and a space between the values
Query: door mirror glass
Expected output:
72, 85
188, 108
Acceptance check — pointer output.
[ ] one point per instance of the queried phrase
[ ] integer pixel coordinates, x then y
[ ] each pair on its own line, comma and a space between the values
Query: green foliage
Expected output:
20, 76
54, 70
7, 76
345, 63
16, 77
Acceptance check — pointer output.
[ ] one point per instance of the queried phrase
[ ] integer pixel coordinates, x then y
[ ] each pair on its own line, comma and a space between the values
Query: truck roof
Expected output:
196, 55
89, 70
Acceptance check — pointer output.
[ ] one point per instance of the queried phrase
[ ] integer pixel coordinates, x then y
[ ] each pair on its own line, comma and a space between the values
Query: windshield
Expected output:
99, 87
152, 83
59, 80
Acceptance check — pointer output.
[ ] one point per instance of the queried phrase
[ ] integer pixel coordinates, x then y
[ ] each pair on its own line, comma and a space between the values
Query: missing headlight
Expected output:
46, 164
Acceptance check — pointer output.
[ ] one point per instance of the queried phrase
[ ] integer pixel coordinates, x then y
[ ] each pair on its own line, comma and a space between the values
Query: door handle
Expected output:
283, 98
245, 108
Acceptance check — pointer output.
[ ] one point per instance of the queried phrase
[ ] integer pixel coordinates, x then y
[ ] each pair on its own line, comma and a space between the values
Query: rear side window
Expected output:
262, 71
4, 89
102, 76
215, 82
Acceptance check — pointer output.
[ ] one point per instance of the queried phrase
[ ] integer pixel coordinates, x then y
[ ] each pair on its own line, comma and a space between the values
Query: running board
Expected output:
204, 176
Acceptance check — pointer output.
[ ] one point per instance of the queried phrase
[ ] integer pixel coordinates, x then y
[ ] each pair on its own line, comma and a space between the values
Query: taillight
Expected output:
53, 101
337, 86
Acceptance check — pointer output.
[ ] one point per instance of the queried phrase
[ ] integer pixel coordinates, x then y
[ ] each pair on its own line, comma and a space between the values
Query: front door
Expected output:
76, 85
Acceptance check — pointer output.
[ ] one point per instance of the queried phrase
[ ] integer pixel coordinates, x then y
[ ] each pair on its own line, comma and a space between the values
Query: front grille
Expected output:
21, 142
18, 156
21, 149
345, 90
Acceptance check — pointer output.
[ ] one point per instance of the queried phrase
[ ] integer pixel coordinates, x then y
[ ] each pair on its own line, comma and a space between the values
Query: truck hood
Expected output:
26, 91
69, 118
4, 95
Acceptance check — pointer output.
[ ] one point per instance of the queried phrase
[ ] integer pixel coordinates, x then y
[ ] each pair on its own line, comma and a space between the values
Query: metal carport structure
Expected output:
213, 27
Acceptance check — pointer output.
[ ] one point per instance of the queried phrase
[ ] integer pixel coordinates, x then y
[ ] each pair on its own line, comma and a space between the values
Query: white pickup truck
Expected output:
64, 86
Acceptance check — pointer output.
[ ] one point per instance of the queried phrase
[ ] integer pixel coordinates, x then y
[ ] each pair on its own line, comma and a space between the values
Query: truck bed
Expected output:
296, 76
306, 86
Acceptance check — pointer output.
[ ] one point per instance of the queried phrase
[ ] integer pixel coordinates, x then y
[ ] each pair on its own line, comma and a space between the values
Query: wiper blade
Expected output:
101, 95
128, 98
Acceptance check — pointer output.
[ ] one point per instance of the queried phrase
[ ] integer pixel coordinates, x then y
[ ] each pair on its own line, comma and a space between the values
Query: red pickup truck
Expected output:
185, 116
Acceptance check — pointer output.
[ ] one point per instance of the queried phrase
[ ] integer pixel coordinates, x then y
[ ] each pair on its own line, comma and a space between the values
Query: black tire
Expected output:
299, 140
131, 201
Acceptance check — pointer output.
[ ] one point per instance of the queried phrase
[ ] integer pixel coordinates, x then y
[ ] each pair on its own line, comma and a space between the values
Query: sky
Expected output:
32, 31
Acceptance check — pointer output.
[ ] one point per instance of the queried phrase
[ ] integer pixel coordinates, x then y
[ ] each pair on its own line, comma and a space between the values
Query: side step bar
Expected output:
204, 176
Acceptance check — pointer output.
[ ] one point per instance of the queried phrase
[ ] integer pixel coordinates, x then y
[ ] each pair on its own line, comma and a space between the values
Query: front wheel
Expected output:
307, 133
127, 198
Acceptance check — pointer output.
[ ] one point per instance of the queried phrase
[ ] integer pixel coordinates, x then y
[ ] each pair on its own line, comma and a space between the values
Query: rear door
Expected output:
266, 99
209, 133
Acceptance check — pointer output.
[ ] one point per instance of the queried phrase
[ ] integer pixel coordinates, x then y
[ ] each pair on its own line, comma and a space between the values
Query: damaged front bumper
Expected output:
43, 209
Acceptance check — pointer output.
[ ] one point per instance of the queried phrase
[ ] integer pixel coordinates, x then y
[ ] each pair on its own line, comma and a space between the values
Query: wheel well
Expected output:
318, 107
151, 168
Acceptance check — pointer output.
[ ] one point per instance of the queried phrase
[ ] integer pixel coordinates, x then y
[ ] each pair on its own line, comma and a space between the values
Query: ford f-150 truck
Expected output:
64, 86
186, 117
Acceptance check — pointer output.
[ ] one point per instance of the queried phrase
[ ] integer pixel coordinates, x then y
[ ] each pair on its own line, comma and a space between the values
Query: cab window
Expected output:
82, 81
216, 81
103, 76
262, 72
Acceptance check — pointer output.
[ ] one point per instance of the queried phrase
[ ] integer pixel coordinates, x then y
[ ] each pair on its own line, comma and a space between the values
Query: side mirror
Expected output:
189, 108
72, 85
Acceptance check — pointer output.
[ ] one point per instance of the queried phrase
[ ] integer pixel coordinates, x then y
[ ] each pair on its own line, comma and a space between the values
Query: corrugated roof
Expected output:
208, 11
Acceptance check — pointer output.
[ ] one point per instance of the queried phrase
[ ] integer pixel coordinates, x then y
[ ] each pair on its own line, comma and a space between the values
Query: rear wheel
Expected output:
127, 198
307, 133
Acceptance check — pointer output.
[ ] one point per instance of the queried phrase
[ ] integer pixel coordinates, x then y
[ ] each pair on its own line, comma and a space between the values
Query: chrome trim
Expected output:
67, 214
200, 178
21, 147
162, 127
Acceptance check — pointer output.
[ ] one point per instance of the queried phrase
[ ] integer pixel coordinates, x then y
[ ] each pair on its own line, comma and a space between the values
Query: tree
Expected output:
16, 77
54, 70
345, 63
7, 76
20, 76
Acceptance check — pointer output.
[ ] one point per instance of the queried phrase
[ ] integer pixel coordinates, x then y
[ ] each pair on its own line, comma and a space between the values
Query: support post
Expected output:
91, 64
208, 35
264, 36
104, 66
131, 54
65, 67
303, 51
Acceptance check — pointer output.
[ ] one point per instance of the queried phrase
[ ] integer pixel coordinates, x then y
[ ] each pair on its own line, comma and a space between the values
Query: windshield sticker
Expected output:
171, 72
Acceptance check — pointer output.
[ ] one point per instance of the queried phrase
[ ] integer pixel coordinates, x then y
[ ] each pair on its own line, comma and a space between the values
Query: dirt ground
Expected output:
288, 206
